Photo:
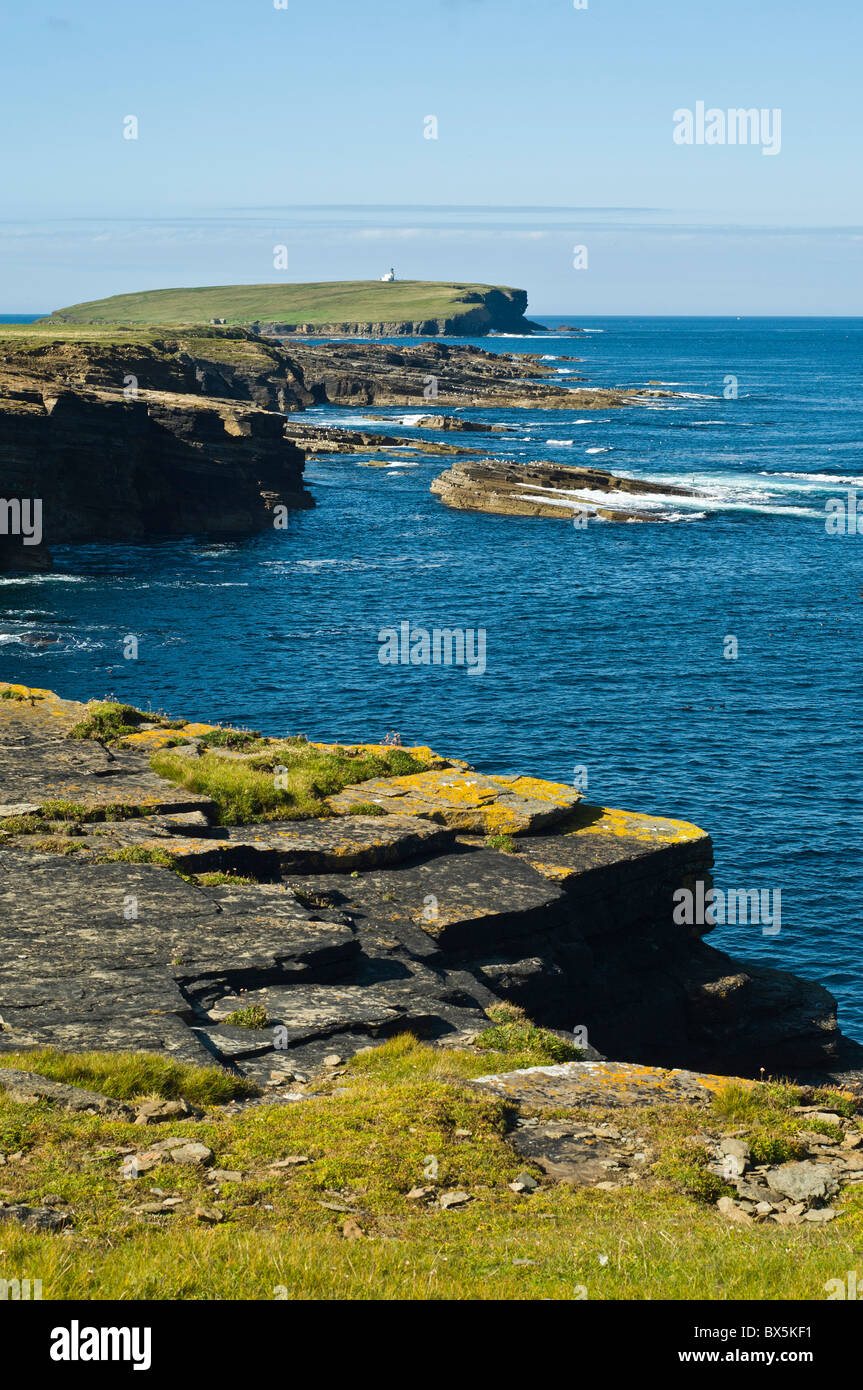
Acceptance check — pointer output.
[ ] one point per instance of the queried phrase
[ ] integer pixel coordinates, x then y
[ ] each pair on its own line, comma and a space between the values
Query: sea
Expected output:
708, 666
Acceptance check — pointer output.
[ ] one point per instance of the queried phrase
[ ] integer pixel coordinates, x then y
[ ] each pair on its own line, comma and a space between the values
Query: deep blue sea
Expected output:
605, 647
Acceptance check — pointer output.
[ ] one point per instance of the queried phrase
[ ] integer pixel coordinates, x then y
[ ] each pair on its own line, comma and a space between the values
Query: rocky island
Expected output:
545, 489
381, 308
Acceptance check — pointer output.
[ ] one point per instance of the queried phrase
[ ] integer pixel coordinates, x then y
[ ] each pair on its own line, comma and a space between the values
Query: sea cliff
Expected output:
412, 894
121, 434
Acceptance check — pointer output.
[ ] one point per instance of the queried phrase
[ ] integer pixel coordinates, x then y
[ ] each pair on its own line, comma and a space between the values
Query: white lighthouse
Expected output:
390, 275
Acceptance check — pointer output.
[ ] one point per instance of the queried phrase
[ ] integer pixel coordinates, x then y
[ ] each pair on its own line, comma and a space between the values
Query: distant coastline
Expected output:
349, 308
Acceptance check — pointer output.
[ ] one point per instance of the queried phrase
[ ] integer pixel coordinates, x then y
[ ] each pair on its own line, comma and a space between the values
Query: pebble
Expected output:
454, 1199
211, 1215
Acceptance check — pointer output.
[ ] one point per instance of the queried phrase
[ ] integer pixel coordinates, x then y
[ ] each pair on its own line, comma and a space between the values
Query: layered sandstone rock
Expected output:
350, 928
162, 463
544, 489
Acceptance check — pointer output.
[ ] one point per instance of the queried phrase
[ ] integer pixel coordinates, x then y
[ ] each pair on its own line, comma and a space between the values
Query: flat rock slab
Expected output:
29, 712
604, 1084
139, 945
467, 900
41, 764
584, 1155
329, 845
26, 1086
97, 778
308, 1010
126, 917
601, 837
468, 801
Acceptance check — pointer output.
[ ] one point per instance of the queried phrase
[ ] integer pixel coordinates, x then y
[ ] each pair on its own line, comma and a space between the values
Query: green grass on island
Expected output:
327, 302
340, 1217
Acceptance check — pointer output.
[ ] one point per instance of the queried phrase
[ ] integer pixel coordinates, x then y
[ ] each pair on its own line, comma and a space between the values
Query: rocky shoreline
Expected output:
414, 903
132, 434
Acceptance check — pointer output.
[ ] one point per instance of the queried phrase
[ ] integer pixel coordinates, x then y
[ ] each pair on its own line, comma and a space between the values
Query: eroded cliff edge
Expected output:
124, 434
397, 907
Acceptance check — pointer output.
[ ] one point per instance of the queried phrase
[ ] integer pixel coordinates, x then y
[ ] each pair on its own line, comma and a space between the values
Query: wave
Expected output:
712, 498
50, 578
599, 449
841, 478
38, 642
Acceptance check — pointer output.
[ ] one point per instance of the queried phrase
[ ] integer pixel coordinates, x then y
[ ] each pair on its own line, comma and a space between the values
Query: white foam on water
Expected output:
714, 496
834, 479
560, 441
44, 579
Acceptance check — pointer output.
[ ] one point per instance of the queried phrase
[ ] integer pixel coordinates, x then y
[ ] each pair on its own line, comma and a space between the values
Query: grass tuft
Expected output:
253, 1016
132, 1075
108, 721
513, 1033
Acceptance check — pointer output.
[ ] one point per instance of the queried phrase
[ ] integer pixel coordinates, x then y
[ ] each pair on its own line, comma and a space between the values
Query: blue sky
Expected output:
304, 126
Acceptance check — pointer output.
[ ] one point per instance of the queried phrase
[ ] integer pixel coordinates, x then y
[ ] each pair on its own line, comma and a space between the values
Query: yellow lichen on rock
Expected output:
469, 801
575, 1084
152, 739
635, 825
600, 835
43, 708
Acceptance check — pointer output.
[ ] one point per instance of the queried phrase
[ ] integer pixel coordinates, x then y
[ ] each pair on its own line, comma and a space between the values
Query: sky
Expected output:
307, 126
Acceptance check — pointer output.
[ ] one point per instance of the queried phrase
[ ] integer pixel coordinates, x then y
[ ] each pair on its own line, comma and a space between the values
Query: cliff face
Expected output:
355, 927
492, 311
201, 444
104, 468
394, 308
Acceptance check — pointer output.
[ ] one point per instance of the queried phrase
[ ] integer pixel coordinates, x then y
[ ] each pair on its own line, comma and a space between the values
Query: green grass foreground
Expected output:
324, 302
291, 781
397, 1114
